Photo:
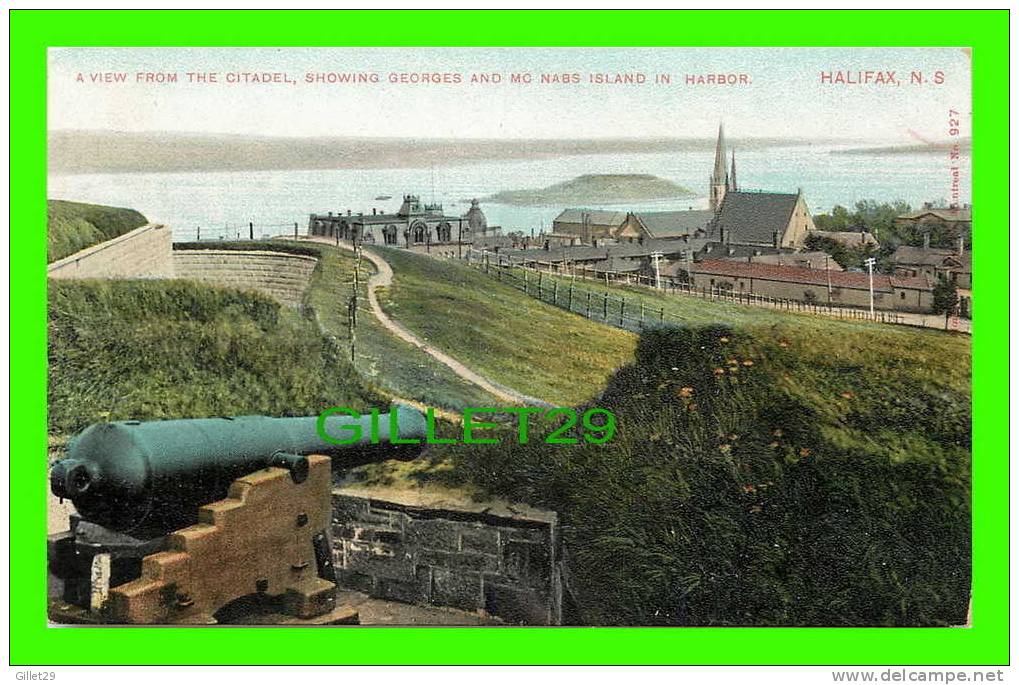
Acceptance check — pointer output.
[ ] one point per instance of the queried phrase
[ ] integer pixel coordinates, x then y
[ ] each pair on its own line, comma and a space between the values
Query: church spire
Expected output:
719, 176
719, 179
732, 174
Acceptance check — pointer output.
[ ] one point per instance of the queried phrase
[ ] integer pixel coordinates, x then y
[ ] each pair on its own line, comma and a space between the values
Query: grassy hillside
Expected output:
502, 333
381, 358
73, 226
768, 475
172, 349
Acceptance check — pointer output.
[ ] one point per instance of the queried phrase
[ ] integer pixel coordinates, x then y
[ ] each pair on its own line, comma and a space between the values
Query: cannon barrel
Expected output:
152, 476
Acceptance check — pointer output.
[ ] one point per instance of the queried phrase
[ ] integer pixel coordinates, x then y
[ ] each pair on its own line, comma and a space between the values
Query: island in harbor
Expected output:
596, 189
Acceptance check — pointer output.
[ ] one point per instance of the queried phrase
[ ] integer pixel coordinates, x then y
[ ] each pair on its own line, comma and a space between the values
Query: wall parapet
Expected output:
145, 252
282, 275
492, 558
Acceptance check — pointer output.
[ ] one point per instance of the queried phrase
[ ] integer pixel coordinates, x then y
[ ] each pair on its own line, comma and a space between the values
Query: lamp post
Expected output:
870, 270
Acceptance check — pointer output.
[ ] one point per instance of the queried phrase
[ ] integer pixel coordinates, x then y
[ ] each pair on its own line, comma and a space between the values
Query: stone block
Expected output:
481, 539
379, 560
458, 590
537, 535
459, 561
417, 591
527, 562
515, 604
432, 534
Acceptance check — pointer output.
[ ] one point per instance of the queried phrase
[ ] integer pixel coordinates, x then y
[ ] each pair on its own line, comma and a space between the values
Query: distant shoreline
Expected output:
940, 147
96, 152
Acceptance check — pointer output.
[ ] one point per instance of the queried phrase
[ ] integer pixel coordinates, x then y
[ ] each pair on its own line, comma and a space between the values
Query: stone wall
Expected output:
492, 559
281, 275
145, 252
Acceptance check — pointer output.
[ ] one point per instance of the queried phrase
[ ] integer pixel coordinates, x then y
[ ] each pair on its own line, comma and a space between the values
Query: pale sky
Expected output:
784, 96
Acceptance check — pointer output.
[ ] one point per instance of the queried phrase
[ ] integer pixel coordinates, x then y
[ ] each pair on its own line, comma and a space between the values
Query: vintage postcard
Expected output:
510, 336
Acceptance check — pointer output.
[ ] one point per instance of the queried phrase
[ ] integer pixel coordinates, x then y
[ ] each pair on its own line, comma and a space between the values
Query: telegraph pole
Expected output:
658, 272
827, 273
870, 270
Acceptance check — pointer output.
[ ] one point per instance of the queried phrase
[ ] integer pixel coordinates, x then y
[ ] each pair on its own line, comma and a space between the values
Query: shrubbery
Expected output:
751, 483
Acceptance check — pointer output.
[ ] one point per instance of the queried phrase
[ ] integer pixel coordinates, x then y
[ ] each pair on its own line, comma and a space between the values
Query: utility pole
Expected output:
870, 270
658, 273
827, 273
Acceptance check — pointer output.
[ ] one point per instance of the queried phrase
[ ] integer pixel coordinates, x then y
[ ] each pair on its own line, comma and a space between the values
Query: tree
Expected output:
945, 297
838, 220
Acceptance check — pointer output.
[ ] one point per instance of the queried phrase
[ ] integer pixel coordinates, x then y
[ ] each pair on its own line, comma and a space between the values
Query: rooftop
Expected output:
906, 254
601, 217
796, 274
674, 224
956, 213
755, 217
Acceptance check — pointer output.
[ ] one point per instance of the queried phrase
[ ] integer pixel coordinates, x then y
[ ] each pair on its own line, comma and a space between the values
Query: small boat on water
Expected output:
384, 197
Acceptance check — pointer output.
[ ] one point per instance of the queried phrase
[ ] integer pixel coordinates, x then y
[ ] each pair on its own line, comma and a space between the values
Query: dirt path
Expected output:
383, 278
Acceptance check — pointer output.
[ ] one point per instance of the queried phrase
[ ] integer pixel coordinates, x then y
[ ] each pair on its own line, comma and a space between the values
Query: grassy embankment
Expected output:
123, 349
73, 226
174, 349
769, 469
502, 333
383, 360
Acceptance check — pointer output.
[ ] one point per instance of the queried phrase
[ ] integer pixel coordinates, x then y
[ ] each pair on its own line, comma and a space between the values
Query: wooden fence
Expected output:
559, 287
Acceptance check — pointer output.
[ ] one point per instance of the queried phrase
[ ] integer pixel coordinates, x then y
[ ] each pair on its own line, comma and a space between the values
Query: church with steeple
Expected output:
753, 218
737, 220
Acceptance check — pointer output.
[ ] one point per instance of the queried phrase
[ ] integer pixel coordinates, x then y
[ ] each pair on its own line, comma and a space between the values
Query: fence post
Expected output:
295, 229
605, 307
661, 314
589, 304
539, 285
569, 301
251, 230
526, 284
642, 312
555, 293
351, 308
622, 309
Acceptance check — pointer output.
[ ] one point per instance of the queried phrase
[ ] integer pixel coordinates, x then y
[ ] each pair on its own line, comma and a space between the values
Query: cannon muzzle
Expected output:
153, 475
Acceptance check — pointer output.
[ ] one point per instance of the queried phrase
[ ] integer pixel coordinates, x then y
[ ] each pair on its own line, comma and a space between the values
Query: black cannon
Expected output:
138, 485
150, 476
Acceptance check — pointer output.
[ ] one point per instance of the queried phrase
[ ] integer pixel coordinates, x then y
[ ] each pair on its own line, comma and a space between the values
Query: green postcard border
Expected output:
33, 642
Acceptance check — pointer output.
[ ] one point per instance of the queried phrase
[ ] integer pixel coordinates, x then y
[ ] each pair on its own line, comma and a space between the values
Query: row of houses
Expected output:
748, 241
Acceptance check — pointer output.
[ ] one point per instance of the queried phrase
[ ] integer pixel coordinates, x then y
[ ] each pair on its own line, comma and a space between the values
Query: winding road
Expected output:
383, 278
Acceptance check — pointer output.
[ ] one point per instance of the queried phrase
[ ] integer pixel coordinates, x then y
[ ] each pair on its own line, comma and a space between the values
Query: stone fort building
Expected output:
415, 226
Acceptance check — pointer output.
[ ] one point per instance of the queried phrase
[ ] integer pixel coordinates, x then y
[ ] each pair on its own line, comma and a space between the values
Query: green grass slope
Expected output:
73, 226
382, 359
502, 333
773, 476
176, 349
